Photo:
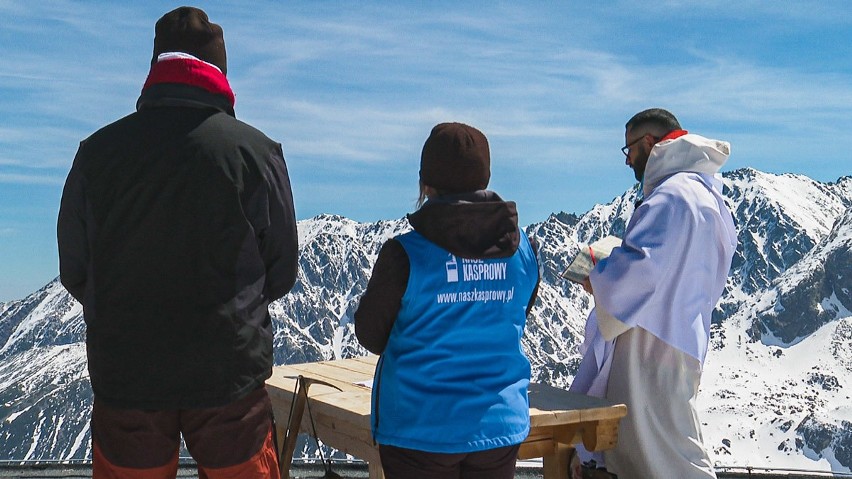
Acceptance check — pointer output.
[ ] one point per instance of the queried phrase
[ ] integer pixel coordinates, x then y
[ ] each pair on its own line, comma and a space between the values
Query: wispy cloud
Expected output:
358, 86
31, 179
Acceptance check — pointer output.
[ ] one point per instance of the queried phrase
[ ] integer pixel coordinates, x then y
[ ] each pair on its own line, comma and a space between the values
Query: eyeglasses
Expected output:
626, 148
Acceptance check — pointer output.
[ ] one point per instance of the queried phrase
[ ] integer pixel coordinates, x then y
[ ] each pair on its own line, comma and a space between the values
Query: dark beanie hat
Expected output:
187, 30
455, 159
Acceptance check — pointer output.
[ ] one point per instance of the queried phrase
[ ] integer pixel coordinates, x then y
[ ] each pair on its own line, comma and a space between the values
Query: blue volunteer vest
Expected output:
453, 377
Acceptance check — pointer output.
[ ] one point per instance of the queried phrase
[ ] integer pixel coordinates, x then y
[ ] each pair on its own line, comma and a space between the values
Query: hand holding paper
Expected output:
582, 264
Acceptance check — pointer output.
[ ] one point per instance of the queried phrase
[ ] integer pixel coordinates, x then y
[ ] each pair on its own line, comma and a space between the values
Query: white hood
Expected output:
685, 153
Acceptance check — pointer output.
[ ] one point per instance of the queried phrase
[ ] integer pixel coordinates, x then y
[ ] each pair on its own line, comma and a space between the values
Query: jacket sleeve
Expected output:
534, 295
382, 300
279, 242
71, 234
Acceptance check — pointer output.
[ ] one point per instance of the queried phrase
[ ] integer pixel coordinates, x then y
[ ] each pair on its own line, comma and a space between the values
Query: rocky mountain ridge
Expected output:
777, 381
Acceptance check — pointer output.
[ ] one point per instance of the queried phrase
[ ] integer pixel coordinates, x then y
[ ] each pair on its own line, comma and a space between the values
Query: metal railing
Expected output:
779, 471
725, 471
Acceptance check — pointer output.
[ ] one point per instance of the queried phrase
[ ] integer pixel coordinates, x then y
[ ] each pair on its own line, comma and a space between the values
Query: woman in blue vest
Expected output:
445, 308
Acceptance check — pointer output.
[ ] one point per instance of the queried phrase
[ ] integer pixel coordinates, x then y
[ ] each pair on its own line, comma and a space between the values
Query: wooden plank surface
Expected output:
350, 406
550, 406
558, 418
343, 373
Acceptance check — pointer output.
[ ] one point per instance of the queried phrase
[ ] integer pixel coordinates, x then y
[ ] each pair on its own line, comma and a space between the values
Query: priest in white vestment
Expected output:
647, 336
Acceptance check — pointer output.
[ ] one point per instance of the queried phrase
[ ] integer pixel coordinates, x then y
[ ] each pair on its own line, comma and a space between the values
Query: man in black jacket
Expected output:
176, 230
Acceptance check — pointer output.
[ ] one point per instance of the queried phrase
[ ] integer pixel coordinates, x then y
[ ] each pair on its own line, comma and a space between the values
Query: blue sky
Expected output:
351, 90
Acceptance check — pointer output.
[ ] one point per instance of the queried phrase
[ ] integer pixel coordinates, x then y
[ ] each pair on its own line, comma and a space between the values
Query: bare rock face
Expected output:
817, 290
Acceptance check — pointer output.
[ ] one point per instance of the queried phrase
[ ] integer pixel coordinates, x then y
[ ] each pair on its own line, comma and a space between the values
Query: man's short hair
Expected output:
656, 120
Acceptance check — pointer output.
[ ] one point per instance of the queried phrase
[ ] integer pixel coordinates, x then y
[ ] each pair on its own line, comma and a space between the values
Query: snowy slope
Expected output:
777, 382
780, 397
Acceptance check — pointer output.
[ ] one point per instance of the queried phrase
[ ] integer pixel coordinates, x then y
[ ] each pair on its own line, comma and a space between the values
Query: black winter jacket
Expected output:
176, 230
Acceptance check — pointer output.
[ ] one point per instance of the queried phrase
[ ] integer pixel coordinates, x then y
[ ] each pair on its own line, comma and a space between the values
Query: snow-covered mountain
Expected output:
778, 379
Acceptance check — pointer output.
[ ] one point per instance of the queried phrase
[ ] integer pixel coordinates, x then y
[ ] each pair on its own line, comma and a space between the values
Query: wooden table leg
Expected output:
600, 436
375, 468
556, 464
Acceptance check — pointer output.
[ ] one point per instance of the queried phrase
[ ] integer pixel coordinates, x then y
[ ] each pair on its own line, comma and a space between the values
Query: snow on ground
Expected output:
747, 405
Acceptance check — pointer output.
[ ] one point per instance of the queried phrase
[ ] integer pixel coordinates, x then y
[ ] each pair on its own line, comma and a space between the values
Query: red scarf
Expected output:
193, 72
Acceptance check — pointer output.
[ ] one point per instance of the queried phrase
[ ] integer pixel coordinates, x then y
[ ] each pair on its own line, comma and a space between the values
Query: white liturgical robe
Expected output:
661, 286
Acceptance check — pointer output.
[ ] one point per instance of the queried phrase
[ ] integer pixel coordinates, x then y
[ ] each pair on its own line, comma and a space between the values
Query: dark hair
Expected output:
657, 121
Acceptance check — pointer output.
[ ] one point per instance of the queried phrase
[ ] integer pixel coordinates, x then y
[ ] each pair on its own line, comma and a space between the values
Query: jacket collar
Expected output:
470, 225
183, 80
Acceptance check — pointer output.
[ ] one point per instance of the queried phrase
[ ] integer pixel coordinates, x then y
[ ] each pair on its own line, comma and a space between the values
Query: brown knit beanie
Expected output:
187, 30
455, 159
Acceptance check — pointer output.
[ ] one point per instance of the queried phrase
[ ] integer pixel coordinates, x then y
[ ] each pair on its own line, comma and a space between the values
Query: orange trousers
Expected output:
235, 441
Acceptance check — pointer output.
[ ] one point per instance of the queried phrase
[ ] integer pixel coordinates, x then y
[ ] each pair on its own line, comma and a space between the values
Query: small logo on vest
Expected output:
452, 270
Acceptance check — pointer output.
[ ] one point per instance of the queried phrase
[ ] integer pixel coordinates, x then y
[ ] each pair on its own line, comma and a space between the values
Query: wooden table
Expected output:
558, 418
